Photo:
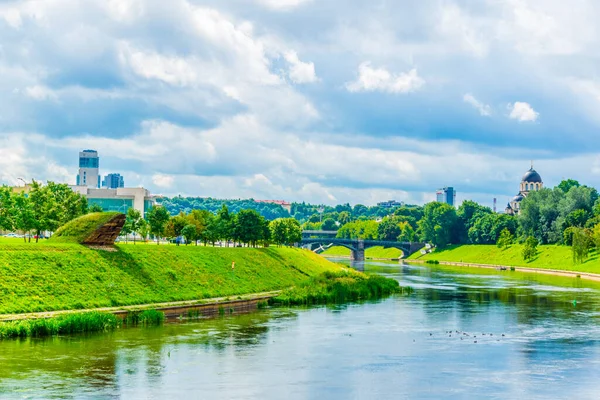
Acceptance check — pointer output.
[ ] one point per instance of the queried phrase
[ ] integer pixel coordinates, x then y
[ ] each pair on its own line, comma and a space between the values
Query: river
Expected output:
463, 333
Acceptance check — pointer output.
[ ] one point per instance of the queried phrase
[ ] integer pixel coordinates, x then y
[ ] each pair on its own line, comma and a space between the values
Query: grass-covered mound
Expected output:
387, 253
338, 287
61, 276
548, 257
80, 229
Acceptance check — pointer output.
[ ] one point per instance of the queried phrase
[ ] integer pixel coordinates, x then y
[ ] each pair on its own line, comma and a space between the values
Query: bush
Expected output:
338, 287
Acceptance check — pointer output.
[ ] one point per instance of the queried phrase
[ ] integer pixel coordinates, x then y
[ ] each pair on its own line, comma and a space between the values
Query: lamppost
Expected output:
320, 210
22, 180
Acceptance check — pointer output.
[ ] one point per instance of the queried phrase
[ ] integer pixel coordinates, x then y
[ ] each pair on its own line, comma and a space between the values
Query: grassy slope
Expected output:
371, 252
56, 276
548, 257
81, 228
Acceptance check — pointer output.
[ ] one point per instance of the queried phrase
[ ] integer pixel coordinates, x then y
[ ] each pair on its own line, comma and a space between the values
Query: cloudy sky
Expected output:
326, 101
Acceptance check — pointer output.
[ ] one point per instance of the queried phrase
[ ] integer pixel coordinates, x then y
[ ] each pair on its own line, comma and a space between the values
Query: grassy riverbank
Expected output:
67, 276
547, 257
338, 287
372, 252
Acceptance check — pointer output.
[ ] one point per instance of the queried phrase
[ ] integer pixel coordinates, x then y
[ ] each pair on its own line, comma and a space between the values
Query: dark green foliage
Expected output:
530, 248
439, 224
432, 262
285, 231
582, 242
338, 287
158, 217
64, 324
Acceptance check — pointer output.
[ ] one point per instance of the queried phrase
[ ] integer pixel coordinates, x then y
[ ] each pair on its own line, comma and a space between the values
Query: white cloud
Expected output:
12, 17
163, 181
379, 79
484, 109
282, 5
523, 112
38, 92
300, 72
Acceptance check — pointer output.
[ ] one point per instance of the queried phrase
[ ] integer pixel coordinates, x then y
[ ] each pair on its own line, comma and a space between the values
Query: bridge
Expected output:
357, 246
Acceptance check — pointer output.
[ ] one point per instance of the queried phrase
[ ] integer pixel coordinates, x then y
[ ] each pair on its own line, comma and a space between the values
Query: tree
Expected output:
44, 209
567, 184
329, 225
438, 225
407, 234
388, 229
189, 233
530, 248
285, 231
201, 219
95, 208
344, 217
144, 229
7, 209
249, 227
133, 221
157, 219
469, 213
539, 214
224, 225
175, 225
581, 245
505, 240
24, 216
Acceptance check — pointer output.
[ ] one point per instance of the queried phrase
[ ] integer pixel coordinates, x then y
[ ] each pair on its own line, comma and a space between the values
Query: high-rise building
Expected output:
89, 173
446, 195
113, 181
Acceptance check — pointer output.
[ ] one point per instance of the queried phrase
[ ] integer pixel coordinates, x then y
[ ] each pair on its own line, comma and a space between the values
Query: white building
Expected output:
89, 169
120, 199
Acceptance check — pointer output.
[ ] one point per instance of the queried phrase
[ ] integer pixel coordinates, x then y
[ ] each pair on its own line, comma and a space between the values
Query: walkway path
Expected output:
558, 272
153, 306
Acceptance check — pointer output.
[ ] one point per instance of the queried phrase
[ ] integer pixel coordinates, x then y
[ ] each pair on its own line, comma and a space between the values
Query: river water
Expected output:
512, 335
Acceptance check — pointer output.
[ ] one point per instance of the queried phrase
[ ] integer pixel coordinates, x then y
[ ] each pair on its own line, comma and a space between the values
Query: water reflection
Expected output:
536, 336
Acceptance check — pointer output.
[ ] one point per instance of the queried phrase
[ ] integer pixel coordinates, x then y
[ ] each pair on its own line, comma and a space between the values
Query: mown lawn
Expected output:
548, 257
371, 252
57, 276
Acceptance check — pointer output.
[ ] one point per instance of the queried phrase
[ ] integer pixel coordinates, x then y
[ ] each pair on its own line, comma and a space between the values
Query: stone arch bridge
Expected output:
357, 246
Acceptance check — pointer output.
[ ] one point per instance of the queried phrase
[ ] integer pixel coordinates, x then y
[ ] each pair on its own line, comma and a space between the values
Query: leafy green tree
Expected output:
567, 184
224, 225
189, 233
389, 229
505, 240
285, 231
360, 229
7, 209
344, 217
201, 219
24, 215
438, 225
144, 229
44, 208
315, 219
359, 210
95, 208
530, 248
469, 213
408, 233
329, 225
133, 221
68, 204
176, 225
581, 245
488, 227
157, 219
539, 214
249, 227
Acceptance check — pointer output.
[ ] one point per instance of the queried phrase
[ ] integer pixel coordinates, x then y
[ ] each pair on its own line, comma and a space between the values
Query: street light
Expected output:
23, 180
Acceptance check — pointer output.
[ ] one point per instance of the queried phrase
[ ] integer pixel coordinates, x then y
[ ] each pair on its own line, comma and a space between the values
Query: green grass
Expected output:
371, 252
66, 276
64, 324
548, 257
338, 287
81, 228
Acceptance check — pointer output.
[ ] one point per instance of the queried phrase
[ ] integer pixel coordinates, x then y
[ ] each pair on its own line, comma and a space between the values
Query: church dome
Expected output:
517, 198
531, 176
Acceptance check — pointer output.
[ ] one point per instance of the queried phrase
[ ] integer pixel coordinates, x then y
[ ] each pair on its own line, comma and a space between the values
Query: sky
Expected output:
323, 101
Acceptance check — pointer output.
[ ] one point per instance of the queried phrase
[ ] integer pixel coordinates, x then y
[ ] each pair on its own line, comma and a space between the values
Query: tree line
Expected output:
43, 208
246, 227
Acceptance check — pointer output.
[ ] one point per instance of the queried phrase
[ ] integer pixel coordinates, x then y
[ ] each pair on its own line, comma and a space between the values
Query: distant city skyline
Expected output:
432, 94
